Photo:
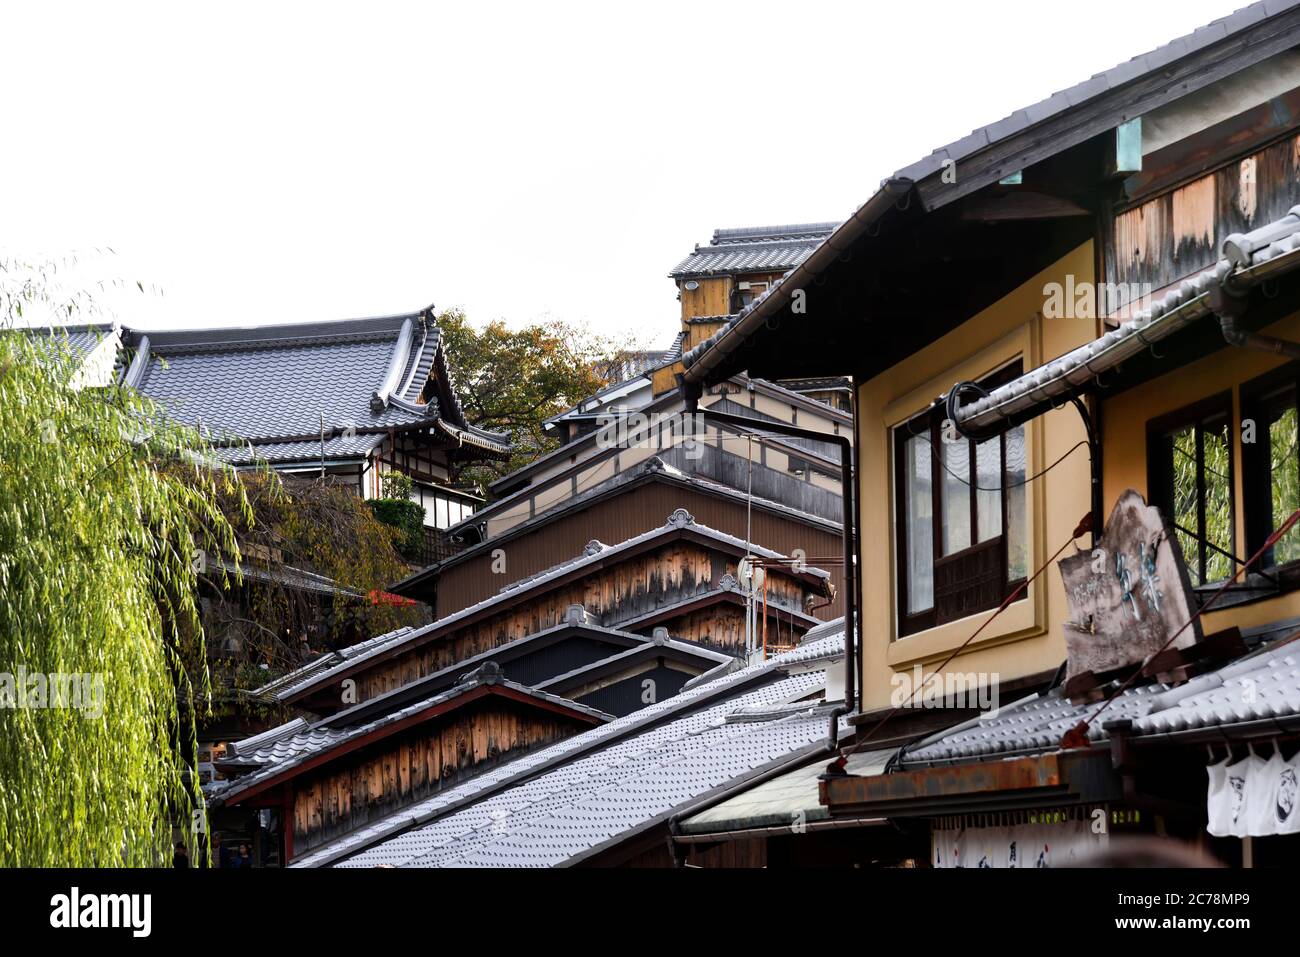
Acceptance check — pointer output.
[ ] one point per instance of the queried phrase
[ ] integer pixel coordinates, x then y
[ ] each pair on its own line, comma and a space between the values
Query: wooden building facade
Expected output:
681, 576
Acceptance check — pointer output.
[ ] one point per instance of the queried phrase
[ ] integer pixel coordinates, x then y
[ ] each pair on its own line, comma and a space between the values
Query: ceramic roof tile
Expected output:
601, 797
1260, 686
426, 824
679, 519
274, 755
277, 387
760, 249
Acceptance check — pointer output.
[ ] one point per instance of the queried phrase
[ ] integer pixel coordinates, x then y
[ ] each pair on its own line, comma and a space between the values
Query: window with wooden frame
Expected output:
1190, 476
960, 517
1270, 450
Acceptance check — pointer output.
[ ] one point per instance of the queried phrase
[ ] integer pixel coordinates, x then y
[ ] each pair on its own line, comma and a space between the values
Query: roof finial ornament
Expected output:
680, 518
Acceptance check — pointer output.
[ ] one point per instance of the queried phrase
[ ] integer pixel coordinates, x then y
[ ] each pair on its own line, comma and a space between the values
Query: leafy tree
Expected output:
400, 513
294, 524
104, 506
513, 380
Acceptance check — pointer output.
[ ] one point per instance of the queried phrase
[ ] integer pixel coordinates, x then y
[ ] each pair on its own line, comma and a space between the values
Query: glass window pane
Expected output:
955, 496
988, 492
1017, 518
1183, 470
1217, 452
919, 527
1284, 472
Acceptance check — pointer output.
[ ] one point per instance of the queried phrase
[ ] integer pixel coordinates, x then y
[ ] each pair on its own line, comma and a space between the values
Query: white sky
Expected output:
276, 162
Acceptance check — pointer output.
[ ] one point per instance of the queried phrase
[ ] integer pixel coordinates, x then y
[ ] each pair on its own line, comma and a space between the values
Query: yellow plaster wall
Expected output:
1027, 638
1124, 445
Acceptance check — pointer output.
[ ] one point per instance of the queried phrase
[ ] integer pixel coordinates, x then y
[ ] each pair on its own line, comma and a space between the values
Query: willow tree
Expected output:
101, 541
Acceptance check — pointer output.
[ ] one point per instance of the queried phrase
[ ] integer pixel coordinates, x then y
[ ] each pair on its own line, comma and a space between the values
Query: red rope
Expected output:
1084, 526
1077, 737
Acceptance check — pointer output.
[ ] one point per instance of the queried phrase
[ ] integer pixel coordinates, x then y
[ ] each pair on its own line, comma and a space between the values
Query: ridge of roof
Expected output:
652, 469
749, 234
216, 336
827, 647
699, 361
679, 521
322, 737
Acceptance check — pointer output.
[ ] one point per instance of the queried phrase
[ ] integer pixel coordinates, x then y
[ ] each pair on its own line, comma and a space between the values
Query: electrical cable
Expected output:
1077, 736
1080, 530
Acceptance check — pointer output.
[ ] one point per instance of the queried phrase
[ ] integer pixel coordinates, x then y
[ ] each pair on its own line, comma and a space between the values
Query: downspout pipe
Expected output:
849, 519
952, 403
1230, 307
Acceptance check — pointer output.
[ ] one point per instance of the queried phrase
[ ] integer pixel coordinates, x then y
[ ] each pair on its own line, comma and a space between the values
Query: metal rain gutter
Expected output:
849, 525
1076, 369
867, 216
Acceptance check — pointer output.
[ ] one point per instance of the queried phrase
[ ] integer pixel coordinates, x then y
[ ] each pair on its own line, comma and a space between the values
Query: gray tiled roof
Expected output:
82, 338
306, 453
674, 351
782, 801
705, 657
277, 386
287, 684
275, 755
1138, 67
758, 249
1248, 259
597, 552
719, 697
300, 740
1258, 687
576, 808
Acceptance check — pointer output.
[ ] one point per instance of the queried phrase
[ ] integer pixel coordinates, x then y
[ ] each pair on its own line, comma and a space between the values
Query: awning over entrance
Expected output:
785, 804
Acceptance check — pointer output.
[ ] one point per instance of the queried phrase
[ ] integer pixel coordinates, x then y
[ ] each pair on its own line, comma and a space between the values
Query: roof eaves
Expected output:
1248, 259
528, 767
701, 360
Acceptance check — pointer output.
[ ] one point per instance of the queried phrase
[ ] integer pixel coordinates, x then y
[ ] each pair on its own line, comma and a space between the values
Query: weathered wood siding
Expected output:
712, 298
722, 627
620, 518
613, 596
1171, 236
367, 784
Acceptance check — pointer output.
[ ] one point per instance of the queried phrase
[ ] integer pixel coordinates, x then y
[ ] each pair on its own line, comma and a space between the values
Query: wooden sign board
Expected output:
1130, 594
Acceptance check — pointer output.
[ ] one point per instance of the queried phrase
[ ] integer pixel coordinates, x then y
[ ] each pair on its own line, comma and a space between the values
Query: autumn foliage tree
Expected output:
263, 622
513, 380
